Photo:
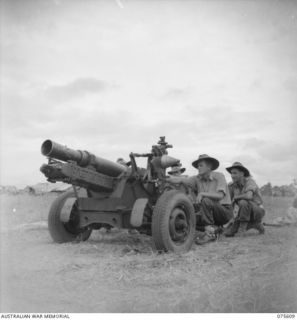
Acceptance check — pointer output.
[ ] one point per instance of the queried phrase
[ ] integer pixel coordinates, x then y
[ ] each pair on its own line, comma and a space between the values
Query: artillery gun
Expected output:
108, 194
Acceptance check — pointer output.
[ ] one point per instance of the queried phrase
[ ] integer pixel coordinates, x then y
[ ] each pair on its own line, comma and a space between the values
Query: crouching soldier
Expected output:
246, 195
213, 198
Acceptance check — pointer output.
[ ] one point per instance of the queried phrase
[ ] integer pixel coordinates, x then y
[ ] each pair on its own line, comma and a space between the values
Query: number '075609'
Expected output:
285, 315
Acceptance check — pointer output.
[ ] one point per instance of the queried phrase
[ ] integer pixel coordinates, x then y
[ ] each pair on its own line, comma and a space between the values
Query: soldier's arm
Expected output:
188, 181
212, 195
231, 191
245, 196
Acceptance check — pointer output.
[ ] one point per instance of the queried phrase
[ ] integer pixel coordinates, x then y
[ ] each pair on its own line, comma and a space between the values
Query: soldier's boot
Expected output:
232, 230
243, 227
210, 234
207, 237
258, 226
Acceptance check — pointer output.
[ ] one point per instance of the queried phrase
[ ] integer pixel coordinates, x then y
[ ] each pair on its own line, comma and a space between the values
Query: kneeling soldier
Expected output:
213, 196
246, 194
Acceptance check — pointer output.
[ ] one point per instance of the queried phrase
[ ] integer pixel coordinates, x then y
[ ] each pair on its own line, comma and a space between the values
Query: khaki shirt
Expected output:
249, 184
215, 183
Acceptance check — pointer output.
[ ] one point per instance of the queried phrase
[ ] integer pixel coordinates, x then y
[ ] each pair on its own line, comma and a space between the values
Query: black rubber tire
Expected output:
59, 230
165, 205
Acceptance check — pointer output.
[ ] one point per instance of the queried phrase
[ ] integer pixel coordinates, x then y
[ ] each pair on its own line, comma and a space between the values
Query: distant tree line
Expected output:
280, 191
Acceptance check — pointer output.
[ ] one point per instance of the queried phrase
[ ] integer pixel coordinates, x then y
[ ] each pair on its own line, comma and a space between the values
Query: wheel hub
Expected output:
178, 225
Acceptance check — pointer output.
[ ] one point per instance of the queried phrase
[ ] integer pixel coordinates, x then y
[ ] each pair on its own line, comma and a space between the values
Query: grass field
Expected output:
23, 208
119, 272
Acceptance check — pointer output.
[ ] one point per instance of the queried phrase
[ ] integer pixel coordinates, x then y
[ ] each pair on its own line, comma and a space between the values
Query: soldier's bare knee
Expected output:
206, 201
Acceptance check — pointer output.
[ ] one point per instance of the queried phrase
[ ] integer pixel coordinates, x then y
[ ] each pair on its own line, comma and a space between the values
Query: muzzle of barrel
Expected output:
57, 151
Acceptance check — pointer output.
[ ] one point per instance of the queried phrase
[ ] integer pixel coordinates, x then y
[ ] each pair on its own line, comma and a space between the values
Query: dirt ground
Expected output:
119, 272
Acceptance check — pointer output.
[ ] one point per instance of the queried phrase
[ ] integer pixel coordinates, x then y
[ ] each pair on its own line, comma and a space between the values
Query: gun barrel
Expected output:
55, 150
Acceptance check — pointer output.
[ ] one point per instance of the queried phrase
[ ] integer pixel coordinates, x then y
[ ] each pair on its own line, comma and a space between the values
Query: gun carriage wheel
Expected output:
63, 220
173, 222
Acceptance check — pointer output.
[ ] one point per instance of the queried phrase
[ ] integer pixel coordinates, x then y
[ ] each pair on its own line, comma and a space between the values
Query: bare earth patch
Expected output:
119, 272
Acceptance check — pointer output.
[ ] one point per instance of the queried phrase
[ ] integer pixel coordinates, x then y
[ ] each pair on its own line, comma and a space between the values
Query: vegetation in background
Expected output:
280, 191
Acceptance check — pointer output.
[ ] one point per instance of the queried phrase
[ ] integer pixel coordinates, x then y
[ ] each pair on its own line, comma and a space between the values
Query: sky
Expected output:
111, 77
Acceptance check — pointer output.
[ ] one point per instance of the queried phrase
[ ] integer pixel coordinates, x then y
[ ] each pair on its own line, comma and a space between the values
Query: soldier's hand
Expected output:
199, 197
